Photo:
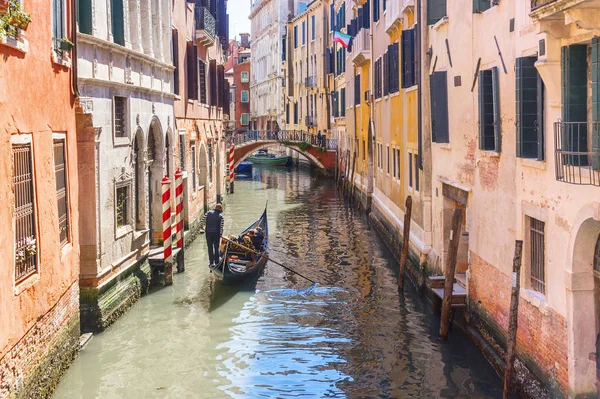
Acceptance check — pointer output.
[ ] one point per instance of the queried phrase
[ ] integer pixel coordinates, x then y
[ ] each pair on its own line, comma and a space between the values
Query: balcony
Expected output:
310, 81
577, 152
205, 26
535, 4
310, 121
558, 15
361, 47
393, 14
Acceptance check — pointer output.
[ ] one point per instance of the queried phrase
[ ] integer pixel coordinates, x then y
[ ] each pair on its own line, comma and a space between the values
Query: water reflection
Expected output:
351, 336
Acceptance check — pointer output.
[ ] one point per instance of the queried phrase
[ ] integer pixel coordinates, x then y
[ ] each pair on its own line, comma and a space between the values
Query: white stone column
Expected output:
135, 31
157, 44
126, 24
146, 27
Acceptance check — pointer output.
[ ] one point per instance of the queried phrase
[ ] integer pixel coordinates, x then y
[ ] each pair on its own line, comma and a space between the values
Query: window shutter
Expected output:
331, 17
439, 84
540, 117
529, 122
212, 73
375, 10
432, 107
220, 85
408, 62
84, 16
497, 121
117, 22
57, 20
436, 10
386, 81
343, 102
367, 14
192, 71
518, 102
481, 5
200, 79
595, 101
480, 100
176, 61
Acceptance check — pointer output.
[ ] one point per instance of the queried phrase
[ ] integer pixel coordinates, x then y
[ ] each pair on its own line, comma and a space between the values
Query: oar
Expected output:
269, 259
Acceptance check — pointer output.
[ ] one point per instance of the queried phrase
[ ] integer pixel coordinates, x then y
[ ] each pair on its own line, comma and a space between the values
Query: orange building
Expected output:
39, 293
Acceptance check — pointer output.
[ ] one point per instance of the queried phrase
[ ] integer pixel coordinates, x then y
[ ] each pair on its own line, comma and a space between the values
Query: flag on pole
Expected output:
342, 38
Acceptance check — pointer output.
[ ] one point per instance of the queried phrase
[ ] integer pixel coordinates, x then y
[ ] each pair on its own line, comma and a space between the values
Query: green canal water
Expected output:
352, 336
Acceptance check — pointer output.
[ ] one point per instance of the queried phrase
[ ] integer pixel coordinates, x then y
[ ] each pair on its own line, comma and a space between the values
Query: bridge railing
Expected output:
296, 136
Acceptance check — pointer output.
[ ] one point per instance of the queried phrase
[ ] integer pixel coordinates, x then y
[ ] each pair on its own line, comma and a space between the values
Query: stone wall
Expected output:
34, 365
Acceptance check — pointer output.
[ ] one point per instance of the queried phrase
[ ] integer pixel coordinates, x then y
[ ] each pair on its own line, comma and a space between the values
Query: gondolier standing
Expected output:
213, 222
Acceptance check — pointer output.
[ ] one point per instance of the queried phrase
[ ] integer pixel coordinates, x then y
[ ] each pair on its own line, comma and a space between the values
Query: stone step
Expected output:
437, 281
459, 295
461, 278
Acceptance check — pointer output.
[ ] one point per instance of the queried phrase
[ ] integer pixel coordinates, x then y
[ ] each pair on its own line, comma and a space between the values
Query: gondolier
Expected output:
213, 228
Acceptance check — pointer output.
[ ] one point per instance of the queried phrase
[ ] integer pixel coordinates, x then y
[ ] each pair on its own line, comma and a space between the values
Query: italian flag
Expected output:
341, 38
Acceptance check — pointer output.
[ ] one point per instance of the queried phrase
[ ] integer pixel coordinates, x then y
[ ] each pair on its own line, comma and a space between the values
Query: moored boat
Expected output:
264, 158
244, 167
238, 264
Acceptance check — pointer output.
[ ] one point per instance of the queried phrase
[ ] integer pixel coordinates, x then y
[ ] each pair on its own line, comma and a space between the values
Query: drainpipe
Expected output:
74, 49
371, 127
325, 63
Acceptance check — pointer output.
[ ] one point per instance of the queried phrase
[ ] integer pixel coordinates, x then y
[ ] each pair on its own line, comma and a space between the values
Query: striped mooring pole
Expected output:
179, 208
231, 174
166, 217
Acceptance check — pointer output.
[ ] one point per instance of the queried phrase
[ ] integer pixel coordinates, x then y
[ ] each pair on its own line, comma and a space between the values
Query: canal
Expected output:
352, 336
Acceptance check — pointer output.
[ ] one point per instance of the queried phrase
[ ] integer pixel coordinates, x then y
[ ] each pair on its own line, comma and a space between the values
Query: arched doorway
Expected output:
139, 172
203, 174
156, 169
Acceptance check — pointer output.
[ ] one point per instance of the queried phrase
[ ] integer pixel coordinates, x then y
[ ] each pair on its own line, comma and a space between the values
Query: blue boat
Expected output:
244, 167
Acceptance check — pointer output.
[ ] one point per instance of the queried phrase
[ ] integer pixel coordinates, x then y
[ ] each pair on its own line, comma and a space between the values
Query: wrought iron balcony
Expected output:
310, 81
205, 25
535, 4
577, 152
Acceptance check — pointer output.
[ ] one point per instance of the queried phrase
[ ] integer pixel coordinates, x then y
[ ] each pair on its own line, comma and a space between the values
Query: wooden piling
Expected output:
346, 173
513, 321
405, 242
352, 185
449, 273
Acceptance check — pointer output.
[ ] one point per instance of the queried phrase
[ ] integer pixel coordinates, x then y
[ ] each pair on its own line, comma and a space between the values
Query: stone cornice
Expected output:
88, 39
125, 86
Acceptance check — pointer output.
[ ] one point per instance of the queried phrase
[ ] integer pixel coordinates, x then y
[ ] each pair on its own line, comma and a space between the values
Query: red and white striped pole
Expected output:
166, 217
231, 174
179, 208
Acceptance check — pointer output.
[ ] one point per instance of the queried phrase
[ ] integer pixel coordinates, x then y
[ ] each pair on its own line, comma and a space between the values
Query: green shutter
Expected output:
57, 19
540, 117
432, 108
596, 102
480, 101
519, 103
84, 16
343, 101
436, 10
480, 5
574, 103
118, 28
497, 116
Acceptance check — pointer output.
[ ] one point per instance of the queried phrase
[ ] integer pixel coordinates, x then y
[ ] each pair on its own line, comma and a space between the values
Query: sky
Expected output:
238, 17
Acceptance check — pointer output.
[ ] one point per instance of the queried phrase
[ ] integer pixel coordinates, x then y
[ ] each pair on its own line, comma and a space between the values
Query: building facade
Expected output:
241, 80
38, 281
201, 103
268, 23
125, 129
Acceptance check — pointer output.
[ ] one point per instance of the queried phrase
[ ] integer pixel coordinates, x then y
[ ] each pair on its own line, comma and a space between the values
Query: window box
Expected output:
15, 17
65, 44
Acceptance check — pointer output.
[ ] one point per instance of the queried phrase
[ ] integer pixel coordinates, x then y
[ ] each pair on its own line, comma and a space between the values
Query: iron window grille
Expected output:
120, 116
537, 255
60, 172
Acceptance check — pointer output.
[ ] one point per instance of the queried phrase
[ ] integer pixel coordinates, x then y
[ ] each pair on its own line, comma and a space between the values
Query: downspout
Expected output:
371, 127
419, 89
306, 37
325, 63
74, 50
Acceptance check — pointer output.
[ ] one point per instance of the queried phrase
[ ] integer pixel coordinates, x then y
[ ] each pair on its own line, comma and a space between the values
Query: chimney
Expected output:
245, 40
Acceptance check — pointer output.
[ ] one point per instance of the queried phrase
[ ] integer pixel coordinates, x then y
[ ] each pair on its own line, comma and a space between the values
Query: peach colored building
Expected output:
39, 292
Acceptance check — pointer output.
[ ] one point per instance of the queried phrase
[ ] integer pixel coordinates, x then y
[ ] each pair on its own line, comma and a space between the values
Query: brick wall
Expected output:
33, 366
541, 335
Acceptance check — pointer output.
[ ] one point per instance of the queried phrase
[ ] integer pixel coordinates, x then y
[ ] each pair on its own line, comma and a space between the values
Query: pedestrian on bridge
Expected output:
319, 138
213, 223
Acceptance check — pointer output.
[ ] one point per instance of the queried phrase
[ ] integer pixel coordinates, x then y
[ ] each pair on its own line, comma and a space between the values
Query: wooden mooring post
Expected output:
352, 177
346, 174
449, 273
405, 242
513, 321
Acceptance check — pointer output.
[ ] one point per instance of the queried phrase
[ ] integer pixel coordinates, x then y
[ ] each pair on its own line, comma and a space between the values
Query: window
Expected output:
60, 173
295, 113
416, 167
296, 36
530, 109
245, 96
597, 255
175, 43
398, 168
489, 111
409, 58
245, 77
117, 22
244, 120
343, 102
303, 33
375, 10
181, 150
364, 150
388, 159
191, 55
334, 104
119, 115
439, 108
380, 156
210, 162
481, 5
24, 216
386, 82
313, 28
283, 48
287, 113
58, 26
537, 256
84, 16
193, 149
331, 17
122, 199
378, 79
436, 10
410, 169
357, 93
394, 163
383, 5
202, 82
393, 71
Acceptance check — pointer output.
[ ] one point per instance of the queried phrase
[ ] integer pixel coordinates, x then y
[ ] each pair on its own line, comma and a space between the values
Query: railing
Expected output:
362, 43
535, 4
310, 81
310, 120
204, 20
575, 163
283, 136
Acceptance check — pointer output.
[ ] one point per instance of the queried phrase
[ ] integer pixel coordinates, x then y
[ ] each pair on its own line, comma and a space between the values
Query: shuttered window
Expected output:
481, 5
244, 120
60, 173
393, 71
409, 59
489, 111
596, 102
574, 102
119, 115
378, 78
357, 92
287, 113
439, 107
24, 216
175, 40
410, 169
84, 16
296, 36
530, 109
192, 71
375, 10
245, 96
436, 10
386, 81
202, 82
331, 17
117, 21
212, 75
383, 4
388, 159
313, 28
303, 33
343, 102
334, 104
58, 29
295, 113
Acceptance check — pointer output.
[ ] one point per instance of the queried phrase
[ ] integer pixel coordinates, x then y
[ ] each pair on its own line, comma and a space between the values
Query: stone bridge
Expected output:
321, 154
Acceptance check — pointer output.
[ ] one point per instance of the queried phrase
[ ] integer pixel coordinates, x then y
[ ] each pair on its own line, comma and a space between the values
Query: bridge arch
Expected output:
243, 151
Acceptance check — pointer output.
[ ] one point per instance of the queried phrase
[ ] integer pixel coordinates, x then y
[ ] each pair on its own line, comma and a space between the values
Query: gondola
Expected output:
236, 263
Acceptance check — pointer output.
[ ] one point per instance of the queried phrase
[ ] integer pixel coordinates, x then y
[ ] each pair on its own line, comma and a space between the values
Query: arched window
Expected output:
151, 147
597, 255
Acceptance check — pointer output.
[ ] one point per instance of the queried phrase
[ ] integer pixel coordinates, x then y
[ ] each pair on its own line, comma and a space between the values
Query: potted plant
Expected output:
15, 17
65, 44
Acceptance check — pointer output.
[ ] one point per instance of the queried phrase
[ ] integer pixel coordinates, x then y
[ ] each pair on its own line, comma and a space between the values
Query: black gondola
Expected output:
238, 264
